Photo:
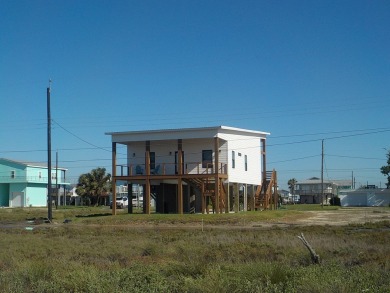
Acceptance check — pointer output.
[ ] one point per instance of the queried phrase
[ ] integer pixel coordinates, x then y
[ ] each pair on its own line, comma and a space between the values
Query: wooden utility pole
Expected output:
57, 191
322, 175
49, 190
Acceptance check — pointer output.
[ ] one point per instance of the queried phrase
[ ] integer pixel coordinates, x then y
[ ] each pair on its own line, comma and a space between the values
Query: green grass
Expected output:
102, 215
170, 253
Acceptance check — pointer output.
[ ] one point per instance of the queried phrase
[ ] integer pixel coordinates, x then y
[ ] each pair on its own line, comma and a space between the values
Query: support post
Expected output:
263, 161
147, 181
216, 174
113, 177
245, 197
180, 173
253, 198
276, 195
322, 175
236, 194
227, 198
130, 198
64, 188
204, 201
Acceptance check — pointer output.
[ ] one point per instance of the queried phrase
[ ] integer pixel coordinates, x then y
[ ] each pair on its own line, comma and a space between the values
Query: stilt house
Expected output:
209, 169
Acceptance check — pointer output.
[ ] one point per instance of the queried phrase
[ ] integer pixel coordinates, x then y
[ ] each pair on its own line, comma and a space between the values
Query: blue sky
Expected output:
302, 70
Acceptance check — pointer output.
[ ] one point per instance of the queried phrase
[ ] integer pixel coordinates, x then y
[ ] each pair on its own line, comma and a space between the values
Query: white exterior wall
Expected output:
357, 200
245, 145
365, 197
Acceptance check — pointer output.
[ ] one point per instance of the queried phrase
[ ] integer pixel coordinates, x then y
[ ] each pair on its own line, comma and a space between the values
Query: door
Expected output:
16, 200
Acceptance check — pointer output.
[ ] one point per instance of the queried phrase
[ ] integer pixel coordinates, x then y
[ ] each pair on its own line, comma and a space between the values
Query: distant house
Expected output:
315, 191
287, 197
365, 197
191, 169
25, 184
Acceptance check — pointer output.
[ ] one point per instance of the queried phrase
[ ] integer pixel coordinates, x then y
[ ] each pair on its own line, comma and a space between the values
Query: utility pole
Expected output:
322, 175
49, 191
57, 189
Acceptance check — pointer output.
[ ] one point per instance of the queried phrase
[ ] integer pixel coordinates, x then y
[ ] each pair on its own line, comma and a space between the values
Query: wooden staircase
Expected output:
266, 196
206, 186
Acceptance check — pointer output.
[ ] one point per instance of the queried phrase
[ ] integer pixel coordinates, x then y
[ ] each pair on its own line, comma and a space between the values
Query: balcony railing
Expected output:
30, 179
170, 169
312, 192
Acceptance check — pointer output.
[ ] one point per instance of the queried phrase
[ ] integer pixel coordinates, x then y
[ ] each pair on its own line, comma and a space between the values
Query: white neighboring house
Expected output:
365, 197
193, 169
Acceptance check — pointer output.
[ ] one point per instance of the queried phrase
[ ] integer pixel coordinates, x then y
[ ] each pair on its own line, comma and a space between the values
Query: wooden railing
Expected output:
170, 169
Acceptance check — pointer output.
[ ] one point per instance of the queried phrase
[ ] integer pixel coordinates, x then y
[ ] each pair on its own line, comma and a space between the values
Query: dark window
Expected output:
233, 159
207, 159
246, 163
152, 160
12, 174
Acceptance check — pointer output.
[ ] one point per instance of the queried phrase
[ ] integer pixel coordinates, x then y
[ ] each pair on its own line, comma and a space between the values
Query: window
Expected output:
152, 160
246, 163
233, 159
13, 174
207, 159
53, 176
40, 175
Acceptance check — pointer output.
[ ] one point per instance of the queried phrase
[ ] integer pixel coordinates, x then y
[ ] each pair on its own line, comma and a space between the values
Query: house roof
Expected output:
29, 164
201, 132
315, 180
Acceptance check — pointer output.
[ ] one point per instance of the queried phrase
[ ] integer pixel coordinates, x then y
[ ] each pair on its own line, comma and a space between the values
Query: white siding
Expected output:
244, 145
193, 153
365, 197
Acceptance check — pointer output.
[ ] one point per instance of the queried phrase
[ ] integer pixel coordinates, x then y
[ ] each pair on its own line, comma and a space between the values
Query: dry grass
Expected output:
171, 253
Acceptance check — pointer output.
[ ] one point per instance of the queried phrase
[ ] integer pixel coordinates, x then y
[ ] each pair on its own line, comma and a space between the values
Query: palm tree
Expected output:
385, 170
291, 184
93, 185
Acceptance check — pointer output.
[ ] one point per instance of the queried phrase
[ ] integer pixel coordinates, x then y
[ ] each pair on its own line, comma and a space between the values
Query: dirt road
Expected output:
343, 216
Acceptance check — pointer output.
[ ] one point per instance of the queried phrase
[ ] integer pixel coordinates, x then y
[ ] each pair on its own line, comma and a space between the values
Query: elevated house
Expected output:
24, 184
219, 169
317, 191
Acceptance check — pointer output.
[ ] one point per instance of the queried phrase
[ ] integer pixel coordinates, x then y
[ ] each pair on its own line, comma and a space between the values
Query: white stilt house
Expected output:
219, 169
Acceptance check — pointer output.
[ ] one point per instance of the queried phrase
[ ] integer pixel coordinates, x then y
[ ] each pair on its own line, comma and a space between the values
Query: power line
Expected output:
329, 132
295, 159
329, 138
352, 157
78, 137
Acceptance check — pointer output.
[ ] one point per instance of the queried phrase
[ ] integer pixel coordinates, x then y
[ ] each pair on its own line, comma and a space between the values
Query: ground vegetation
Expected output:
88, 250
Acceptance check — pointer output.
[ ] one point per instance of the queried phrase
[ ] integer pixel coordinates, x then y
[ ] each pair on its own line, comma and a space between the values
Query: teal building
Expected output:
25, 184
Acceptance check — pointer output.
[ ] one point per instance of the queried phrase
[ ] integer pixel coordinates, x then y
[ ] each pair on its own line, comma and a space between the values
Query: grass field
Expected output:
97, 252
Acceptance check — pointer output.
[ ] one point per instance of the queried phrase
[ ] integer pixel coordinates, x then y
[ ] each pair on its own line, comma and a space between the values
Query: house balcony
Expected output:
31, 179
171, 170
